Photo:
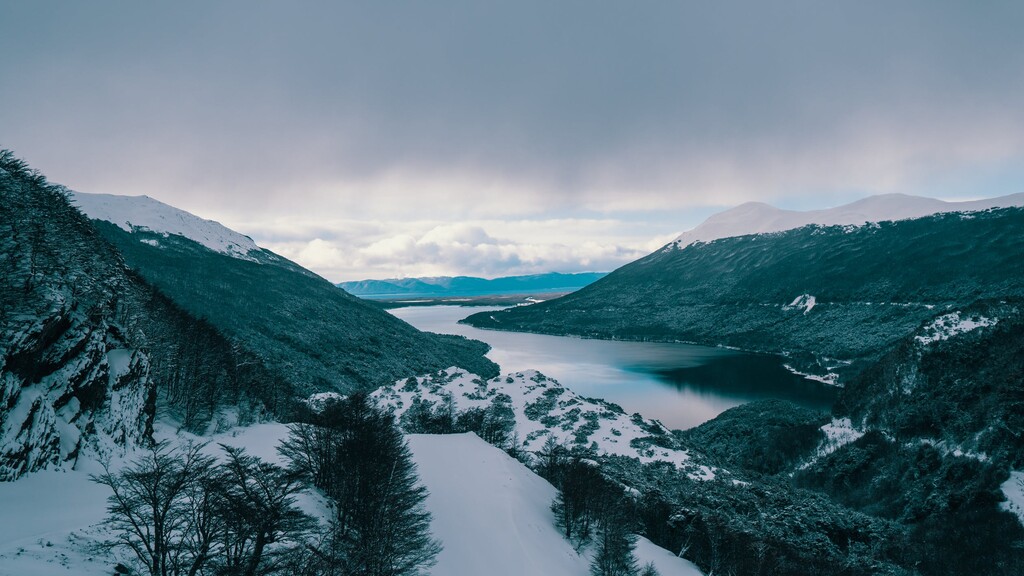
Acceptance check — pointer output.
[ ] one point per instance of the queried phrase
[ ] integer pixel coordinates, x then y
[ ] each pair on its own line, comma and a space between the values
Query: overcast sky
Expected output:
385, 139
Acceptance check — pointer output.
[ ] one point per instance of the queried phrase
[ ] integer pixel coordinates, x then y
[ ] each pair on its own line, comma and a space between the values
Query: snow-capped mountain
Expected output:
132, 213
304, 328
85, 344
759, 218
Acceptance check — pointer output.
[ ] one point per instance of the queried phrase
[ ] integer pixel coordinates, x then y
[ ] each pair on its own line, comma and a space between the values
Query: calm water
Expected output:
680, 384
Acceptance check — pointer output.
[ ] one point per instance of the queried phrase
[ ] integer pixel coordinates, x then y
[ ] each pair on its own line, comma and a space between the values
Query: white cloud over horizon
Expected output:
421, 249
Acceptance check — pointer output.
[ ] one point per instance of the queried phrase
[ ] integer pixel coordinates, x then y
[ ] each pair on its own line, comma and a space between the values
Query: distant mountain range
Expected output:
831, 297
469, 286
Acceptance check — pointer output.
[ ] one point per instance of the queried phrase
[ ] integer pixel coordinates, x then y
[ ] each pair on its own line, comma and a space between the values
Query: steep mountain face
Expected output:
301, 327
70, 381
470, 286
942, 423
832, 298
87, 347
958, 381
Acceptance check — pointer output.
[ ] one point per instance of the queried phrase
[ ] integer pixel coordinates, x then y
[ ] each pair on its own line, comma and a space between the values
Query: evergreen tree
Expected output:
613, 542
649, 570
381, 527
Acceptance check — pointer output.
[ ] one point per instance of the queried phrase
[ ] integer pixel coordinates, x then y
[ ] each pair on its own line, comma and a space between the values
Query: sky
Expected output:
388, 139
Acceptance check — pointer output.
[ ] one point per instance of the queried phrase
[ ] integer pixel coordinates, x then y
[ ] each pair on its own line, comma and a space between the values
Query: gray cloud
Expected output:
456, 110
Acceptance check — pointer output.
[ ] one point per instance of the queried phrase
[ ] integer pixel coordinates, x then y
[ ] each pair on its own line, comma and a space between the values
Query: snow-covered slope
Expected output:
142, 212
493, 515
758, 218
543, 409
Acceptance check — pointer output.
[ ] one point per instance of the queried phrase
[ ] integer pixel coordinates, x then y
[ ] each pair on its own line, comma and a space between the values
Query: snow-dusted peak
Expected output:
145, 213
759, 218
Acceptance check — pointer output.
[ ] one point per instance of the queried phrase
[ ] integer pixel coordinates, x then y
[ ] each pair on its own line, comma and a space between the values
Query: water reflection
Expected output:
680, 384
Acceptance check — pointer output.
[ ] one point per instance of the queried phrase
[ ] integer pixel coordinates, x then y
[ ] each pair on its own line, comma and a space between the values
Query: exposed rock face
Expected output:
70, 385
70, 379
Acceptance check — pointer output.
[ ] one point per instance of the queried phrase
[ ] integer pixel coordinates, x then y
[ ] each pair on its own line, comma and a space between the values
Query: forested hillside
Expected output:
89, 349
303, 328
832, 298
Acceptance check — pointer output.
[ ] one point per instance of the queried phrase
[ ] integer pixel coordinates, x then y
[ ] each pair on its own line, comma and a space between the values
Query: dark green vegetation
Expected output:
966, 391
470, 286
88, 348
943, 423
768, 437
947, 419
766, 526
303, 328
918, 493
871, 284
356, 455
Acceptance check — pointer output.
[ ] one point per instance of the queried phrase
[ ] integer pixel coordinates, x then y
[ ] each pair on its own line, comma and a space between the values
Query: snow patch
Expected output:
838, 433
491, 513
831, 378
665, 562
1013, 489
144, 213
317, 402
952, 324
805, 301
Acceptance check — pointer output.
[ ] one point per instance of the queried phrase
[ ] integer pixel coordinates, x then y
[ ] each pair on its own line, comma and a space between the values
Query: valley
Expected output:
869, 422
681, 385
511, 289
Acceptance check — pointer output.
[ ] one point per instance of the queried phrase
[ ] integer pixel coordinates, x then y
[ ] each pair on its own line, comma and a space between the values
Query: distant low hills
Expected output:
470, 286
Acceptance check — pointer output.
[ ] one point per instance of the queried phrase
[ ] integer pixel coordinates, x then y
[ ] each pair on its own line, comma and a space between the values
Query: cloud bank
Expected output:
274, 114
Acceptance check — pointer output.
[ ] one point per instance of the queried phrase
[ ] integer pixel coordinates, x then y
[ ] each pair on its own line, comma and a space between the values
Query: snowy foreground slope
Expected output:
142, 212
759, 218
493, 514
490, 512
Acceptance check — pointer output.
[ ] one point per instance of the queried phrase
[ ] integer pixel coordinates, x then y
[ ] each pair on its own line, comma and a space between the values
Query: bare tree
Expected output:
262, 525
153, 508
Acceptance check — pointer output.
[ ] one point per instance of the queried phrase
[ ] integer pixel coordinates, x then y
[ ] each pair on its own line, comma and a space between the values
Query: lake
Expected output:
682, 385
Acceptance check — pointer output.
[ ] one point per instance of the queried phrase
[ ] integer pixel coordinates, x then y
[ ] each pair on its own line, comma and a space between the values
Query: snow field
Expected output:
491, 513
143, 212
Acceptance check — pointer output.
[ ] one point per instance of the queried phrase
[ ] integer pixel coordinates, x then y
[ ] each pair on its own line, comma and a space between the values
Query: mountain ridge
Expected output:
144, 213
869, 286
760, 218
